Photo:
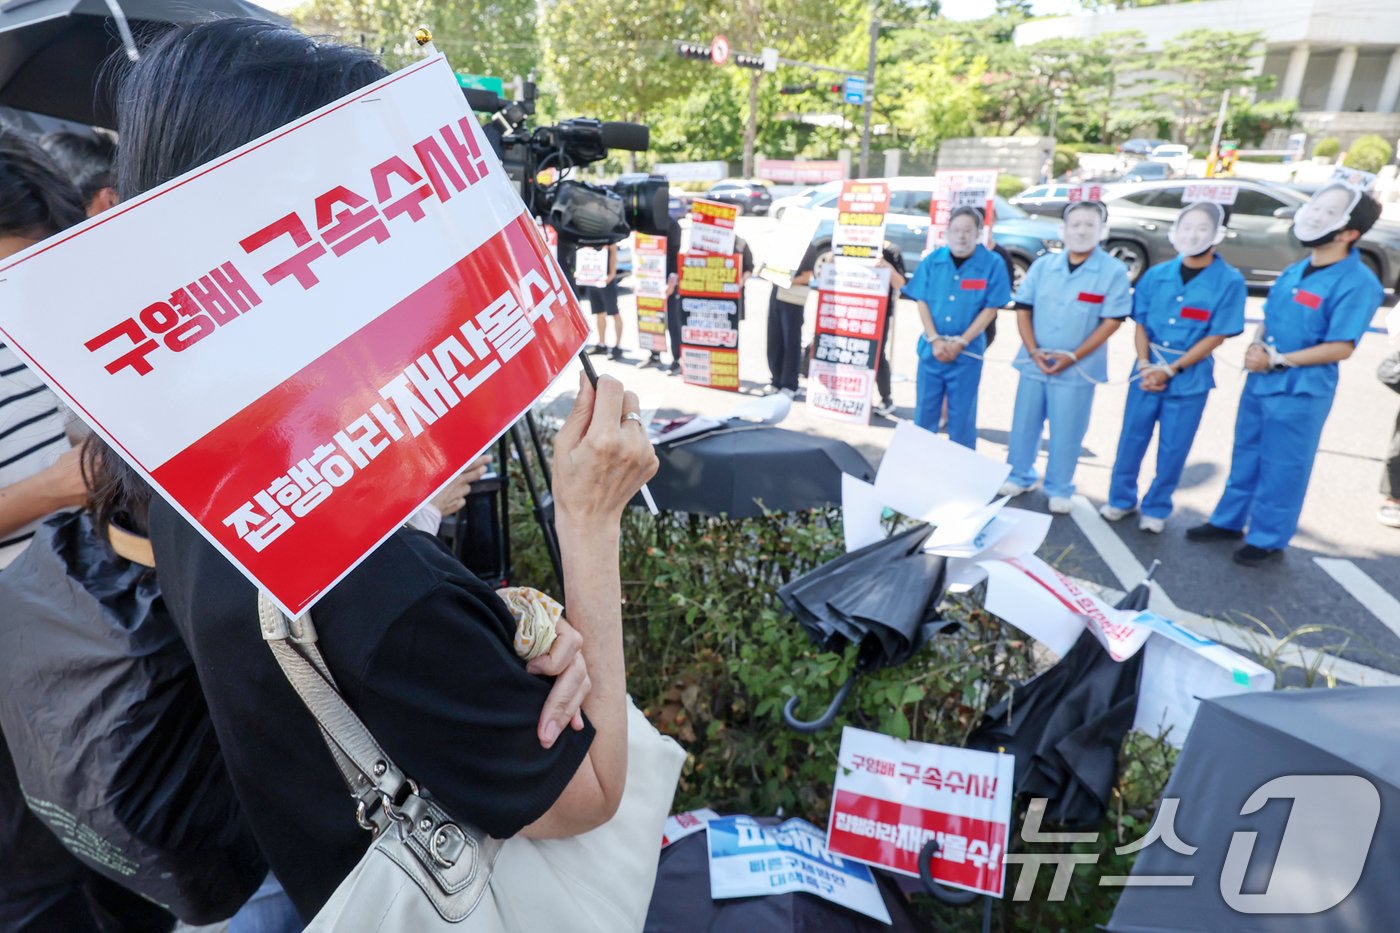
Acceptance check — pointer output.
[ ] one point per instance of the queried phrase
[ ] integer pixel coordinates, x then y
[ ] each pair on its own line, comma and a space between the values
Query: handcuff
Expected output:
1277, 361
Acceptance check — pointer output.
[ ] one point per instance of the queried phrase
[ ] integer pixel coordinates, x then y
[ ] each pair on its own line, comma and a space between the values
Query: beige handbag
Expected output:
425, 871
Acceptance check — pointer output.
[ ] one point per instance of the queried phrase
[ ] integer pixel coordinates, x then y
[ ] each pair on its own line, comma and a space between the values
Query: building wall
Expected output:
1023, 156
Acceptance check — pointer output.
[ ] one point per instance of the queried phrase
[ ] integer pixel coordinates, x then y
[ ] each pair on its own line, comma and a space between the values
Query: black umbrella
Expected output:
681, 902
53, 52
740, 470
1066, 726
882, 598
1315, 851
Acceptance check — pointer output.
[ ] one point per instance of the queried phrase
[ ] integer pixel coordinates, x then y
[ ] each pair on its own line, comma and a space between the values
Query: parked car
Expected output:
1259, 241
1148, 169
799, 199
751, 197
1048, 200
1175, 155
1140, 148
1025, 237
677, 207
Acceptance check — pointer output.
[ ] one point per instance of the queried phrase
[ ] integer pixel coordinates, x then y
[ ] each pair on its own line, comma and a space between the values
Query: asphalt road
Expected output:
1358, 618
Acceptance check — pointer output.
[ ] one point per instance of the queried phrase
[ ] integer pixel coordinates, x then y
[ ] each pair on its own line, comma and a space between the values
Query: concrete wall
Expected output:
1346, 127
1022, 156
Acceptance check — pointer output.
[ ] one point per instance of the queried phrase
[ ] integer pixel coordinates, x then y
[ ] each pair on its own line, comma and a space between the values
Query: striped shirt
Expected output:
31, 435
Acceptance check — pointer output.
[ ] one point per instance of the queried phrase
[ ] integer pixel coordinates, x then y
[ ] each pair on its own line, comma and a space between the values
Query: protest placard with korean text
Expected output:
712, 226
954, 188
892, 796
860, 220
852, 301
311, 334
649, 285
591, 268
710, 288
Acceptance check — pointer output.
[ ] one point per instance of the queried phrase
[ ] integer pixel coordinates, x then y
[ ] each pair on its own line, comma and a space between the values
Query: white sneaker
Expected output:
1151, 525
1113, 513
1009, 488
1060, 505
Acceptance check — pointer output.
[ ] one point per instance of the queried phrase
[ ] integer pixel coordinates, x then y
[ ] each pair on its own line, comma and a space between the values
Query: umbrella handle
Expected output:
954, 897
827, 718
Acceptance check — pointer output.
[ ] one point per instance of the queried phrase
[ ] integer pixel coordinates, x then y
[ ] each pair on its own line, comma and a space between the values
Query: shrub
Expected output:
1010, 185
1066, 160
1327, 148
1369, 154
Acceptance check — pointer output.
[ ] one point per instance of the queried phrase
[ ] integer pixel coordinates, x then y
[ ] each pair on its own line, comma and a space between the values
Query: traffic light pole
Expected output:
869, 94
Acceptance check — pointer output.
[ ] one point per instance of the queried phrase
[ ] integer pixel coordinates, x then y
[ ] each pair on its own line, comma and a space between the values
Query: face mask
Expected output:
1320, 220
1198, 228
962, 236
1082, 230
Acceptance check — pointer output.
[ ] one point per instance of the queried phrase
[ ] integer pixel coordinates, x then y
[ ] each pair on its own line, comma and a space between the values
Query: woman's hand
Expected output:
601, 456
62, 481
564, 662
1256, 359
454, 495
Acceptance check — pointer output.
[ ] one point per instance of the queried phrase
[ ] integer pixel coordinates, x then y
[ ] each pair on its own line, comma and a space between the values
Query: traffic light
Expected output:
693, 50
744, 60
838, 89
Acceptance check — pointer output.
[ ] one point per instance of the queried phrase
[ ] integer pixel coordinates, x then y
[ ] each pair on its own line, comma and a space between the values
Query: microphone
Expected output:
633, 136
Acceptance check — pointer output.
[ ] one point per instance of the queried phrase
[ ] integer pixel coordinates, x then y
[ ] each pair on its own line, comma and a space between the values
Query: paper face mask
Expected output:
1198, 227
964, 231
1326, 214
1083, 226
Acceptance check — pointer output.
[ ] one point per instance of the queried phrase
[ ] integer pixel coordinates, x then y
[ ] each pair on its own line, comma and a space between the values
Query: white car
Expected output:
1178, 157
781, 205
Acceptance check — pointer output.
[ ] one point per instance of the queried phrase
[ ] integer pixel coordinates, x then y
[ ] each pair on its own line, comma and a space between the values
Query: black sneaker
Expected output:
617, 353
1251, 556
675, 369
653, 360
598, 349
1208, 532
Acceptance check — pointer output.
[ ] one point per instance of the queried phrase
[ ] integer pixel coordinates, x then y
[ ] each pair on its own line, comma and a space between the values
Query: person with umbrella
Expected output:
959, 289
1184, 310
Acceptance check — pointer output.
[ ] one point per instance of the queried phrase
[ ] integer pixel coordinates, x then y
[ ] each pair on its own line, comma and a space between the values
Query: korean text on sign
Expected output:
954, 188
860, 220
712, 226
892, 797
337, 329
852, 303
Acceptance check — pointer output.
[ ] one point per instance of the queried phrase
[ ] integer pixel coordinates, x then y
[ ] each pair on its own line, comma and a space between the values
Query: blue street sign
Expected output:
855, 90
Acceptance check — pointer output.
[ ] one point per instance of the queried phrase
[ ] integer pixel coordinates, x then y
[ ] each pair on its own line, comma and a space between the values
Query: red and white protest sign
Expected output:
852, 300
649, 284
954, 188
892, 796
1088, 192
860, 220
712, 226
310, 335
1218, 194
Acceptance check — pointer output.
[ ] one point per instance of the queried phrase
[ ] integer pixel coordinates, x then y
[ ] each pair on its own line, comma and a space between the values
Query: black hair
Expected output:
35, 199
202, 90
86, 158
198, 92
967, 211
1073, 206
1364, 215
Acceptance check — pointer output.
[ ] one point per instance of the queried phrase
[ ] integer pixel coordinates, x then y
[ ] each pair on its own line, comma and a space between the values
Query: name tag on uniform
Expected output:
974, 285
1196, 314
1091, 298
1308, 299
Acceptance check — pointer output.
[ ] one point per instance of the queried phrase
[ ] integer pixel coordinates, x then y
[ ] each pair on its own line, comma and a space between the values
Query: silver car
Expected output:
1259, 242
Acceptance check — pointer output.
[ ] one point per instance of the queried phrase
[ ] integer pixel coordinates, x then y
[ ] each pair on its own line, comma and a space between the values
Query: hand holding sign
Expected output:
601, 457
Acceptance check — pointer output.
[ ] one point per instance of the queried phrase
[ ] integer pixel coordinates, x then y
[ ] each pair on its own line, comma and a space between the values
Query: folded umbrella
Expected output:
882, 598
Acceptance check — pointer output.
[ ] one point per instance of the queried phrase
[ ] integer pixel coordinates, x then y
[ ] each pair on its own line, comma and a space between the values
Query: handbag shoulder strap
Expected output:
368, 771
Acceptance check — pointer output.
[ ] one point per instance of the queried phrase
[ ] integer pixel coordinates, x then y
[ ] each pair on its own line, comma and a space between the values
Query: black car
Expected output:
751, 197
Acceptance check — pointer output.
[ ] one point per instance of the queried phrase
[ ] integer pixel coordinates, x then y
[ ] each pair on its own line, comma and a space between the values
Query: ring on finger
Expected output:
632, 416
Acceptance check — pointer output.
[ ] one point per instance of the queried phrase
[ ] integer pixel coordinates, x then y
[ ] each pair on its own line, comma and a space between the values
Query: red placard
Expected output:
852, 301
710, 287
712, 226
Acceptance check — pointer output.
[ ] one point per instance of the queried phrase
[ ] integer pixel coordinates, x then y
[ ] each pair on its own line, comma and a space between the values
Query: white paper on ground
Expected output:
860, 513
931, 478
771, 409
1016, 599
1180, 669
970, 534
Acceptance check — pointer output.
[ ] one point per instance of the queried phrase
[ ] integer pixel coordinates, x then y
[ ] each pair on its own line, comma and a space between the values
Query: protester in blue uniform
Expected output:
1184, 310
1069, 304
959, 288
1315, 313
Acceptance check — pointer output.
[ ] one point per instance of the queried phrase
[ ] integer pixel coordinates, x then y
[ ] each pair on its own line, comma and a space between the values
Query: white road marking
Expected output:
1364, 590
1130, 571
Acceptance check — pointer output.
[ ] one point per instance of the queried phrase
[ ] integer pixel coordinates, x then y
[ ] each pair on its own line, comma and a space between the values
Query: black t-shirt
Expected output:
1188, 273
422, 652
895, 258
673, 248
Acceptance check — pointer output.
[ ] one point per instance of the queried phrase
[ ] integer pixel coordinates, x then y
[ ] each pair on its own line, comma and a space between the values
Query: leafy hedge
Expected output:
1327, 148
1369, 154
713, 656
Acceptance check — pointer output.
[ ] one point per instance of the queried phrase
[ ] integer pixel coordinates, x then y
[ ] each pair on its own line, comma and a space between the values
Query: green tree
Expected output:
507, 48
1204, 65
939, 94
